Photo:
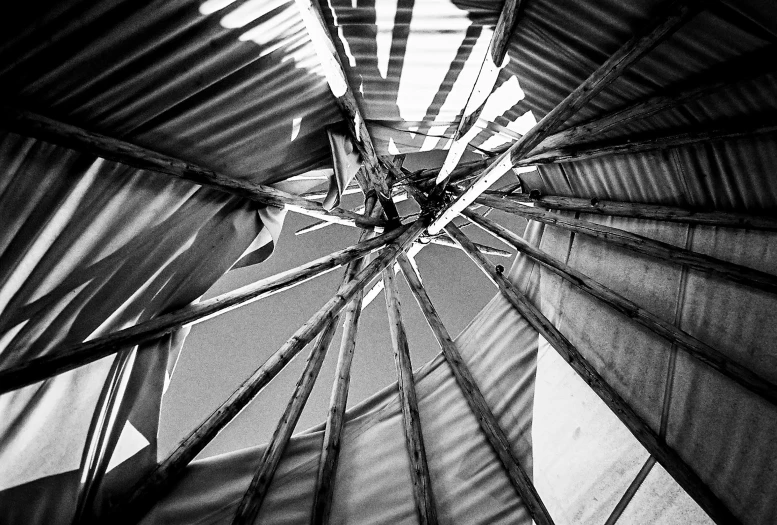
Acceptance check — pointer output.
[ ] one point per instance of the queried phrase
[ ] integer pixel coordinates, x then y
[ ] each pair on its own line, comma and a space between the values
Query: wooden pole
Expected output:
488, 250
592, 150
701, 351
737, 71
642, 245
169, 471
252, 500
414, 439
477, 403
344, 96
330, 451
484, 85
645, 211
79, 354
672, 18
43, 128
656, 446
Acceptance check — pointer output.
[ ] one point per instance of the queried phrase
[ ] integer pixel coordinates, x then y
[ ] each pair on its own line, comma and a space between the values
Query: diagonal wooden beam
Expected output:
739, 70
330, 448
496, 437
167, 473
640, 244
656, 446
656, 212
250, 504
484, 86
675, 14
701, 351
414, 439
344, 96
621, 146
43, 128
79, 354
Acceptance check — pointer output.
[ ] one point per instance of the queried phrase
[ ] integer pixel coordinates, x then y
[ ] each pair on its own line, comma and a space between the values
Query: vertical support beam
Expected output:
656, 446
477, 403
148, 490
655, 324
414, 439
673, 17
249, 506
335, 420
642, 245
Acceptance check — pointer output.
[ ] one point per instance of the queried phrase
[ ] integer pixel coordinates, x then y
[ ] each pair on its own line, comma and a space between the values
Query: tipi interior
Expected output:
625, 370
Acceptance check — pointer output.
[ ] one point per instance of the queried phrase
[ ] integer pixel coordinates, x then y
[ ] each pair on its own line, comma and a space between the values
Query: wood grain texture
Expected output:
60, 133
411, 420
159, 481
251, 503
642, 245
335, 420
645, 211
496, 437
631, 146
75, 355
656, 446
739, 70
349, 106
655, 324
673, 16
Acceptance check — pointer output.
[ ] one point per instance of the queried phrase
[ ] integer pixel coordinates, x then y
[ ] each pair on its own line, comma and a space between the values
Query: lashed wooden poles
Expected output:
644, 211
477, 403
484, 85
344, 95
654, 444
249, 506
739, 70
658, 326
672, 18
591, 150
40, 127
169, 471
335, 420
411, 420
642, 245
79, 354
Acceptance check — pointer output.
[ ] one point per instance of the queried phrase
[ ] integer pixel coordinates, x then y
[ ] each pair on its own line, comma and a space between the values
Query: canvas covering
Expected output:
90, 246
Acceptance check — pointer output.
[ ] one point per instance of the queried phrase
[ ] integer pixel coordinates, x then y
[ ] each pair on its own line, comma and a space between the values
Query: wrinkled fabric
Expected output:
89, 247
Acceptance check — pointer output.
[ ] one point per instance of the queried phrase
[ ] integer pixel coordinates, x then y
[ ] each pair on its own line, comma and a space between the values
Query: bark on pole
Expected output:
148, 490
75, 355
642, 245
414, 440
330, 451
249, 506
654, 444
49, 130
655, 324
634, 210
496, 437
675, 14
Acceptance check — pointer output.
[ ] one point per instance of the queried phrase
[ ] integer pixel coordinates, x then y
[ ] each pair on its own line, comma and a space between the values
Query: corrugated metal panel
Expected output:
166, 76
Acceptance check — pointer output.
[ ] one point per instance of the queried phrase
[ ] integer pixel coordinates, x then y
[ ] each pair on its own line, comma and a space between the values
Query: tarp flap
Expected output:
89, 247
